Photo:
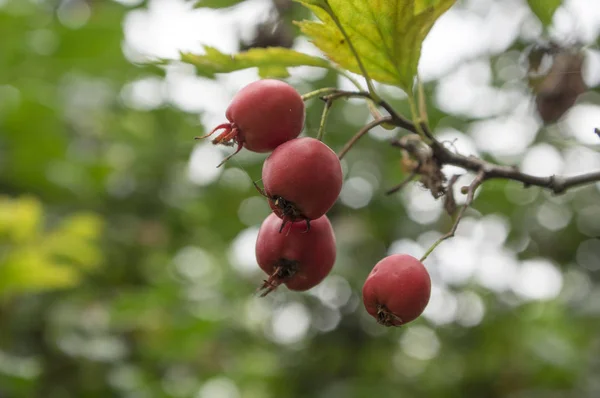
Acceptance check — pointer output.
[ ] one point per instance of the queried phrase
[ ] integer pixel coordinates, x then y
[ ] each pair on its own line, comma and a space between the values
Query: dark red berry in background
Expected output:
262, 115
397, 290
302, 179
298, 259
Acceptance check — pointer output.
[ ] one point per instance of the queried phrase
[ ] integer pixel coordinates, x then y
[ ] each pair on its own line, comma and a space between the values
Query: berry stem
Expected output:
326, 109
362, 132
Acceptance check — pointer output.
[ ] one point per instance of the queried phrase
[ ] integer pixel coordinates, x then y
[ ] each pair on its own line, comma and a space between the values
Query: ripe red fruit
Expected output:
298, 259
262, 115
302, 179
397, 290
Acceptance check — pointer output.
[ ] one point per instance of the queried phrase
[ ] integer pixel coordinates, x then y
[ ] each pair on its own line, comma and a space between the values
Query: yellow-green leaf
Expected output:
34, 259
82, 225
20, 218
387, 35
271, 62
71, 250
29, 270
544, 9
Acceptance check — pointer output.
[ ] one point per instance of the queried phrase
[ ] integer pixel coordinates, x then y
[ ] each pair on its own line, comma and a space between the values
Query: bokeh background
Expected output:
127, 262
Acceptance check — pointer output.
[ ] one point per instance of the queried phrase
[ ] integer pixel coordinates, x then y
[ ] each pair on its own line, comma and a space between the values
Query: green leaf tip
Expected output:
544, 9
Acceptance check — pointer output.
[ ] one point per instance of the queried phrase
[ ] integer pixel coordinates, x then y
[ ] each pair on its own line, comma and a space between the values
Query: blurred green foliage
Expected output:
36, 260
121, 277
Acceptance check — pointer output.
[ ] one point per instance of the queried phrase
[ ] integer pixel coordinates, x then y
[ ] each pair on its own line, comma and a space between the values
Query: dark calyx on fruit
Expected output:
387, 318
284, 270
289, 212
286, 210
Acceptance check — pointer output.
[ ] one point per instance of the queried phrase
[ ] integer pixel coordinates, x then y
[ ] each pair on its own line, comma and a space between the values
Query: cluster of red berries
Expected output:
302, 179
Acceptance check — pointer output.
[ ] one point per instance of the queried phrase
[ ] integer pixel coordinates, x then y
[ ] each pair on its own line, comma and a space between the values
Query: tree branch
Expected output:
438, 155
555, 183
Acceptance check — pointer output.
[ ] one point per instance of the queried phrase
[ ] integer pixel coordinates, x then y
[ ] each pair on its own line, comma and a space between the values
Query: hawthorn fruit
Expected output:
302, 179
397, 290
298, 259
262, 115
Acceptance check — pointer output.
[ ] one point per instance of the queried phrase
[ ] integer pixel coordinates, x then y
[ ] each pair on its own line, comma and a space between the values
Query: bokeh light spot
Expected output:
290, 323
420, 342
538, 279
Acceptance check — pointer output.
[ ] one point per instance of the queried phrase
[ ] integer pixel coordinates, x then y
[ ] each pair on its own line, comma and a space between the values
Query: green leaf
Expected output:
216, 3
271, 62
544, 9
387, 35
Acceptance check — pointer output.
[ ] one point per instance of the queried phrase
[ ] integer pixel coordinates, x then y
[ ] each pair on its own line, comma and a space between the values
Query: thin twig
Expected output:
449, 200
403, 183
362, 132
470, 196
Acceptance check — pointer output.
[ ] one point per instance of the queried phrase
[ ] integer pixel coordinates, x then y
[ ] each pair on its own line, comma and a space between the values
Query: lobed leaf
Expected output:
271, 62
387, 35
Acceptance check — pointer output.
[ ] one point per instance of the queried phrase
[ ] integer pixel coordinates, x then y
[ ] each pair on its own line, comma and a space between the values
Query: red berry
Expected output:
302, 179
298, 259
397, 290
262, 116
